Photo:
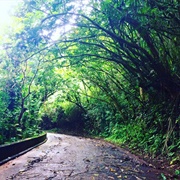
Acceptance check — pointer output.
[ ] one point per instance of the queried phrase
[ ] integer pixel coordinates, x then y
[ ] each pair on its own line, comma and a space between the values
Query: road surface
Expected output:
65, 157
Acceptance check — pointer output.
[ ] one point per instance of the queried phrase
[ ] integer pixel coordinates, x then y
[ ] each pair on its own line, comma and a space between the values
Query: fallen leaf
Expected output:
112, 170
138, 178
110, 177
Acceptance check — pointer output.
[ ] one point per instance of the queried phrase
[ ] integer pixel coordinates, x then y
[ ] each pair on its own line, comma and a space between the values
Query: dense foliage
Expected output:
106, 68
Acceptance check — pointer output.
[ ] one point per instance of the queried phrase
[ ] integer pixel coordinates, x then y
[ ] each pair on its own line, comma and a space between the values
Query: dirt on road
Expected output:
65, 157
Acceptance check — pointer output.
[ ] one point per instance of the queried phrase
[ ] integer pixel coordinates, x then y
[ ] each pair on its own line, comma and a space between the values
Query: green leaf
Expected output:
177, 172
163, 176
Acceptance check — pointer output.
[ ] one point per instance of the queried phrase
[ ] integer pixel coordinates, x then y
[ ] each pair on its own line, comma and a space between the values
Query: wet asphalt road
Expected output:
65, 157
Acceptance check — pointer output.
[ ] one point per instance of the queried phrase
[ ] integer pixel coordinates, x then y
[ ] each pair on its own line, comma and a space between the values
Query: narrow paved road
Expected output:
65, 157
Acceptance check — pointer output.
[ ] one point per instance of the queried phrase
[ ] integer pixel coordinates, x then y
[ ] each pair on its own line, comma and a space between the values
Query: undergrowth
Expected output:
141, 138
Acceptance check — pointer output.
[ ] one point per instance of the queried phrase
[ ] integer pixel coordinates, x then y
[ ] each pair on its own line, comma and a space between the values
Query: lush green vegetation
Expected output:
105, 68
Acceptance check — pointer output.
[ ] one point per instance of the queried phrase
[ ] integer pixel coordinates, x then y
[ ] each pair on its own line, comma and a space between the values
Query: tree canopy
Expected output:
108, 68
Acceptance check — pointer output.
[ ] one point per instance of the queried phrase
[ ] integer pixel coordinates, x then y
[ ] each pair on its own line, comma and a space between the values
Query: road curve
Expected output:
65, 157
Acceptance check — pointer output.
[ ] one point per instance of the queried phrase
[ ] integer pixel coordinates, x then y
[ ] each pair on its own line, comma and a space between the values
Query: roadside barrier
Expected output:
13, 150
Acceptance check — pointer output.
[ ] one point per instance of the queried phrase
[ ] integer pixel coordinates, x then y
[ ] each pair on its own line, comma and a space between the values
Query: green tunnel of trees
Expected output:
108, 68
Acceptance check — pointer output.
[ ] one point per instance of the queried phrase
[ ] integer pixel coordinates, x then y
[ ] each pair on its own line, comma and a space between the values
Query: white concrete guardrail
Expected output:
13, 150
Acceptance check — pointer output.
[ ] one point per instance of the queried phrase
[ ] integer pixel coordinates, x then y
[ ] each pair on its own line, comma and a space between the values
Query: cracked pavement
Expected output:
65, 157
